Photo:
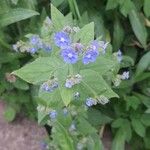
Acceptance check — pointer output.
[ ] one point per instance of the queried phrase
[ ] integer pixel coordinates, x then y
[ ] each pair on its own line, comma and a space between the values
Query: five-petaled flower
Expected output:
62, 39
90, 56
69, 55
53, 114
125, 75
90, 102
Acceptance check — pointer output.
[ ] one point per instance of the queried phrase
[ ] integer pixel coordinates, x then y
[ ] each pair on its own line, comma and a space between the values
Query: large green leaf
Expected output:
143, 64
145, 119
103, 65
138, 27
94, 143
40, 70
138, 127
126, 7
86, 34
57, 18
62, 137
95, 84
112, 4
15, 15
147, 7
84, 127
97, 118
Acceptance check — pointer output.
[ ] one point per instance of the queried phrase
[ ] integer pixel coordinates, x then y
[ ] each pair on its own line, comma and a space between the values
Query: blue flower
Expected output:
90, 102
36, 41
94, 45
125, 75
49, 86
53, 114
90, 56
46, 87
69, 83
62, 39
33, 50
119, 56
69, 55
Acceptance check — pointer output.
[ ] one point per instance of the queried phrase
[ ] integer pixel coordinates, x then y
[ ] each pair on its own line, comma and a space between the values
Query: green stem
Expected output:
77, 9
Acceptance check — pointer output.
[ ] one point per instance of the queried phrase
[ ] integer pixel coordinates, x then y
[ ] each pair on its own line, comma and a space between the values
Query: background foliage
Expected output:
125, 23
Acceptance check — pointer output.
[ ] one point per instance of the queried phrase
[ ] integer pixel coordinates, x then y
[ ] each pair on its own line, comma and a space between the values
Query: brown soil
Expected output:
22, 134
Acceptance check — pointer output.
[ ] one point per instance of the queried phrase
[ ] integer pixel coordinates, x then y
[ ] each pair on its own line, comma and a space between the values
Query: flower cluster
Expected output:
71, 51
92, 101
50, 85
125, 75
33, 45
53, 114
73, 80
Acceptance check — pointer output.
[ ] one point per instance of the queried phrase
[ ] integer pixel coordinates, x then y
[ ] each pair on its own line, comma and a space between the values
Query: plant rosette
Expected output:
74, 72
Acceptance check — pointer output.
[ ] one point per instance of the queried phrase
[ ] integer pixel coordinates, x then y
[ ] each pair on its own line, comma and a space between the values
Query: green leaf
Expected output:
39, 70
132, 101
84, 127
95, 84
138, 127
94, 143
9, 114
52, 100
4, 6
96, 118
57, 18
143, 64
66, 94
62, 137
138, 27
147, 7
126, 7
57, 3
118, 123
127, 62
142, 76
119, 140
14, 1
20, 84
103, 65
86, 34
145, 119
111, 4
8, 57
15, 15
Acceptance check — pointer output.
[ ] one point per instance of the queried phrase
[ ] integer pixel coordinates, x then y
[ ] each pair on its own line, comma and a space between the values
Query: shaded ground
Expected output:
21, 134
24, 134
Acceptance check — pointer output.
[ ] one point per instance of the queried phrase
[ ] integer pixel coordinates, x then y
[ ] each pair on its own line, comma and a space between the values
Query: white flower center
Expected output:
62, 39
70, 55
94, 47
88, 56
